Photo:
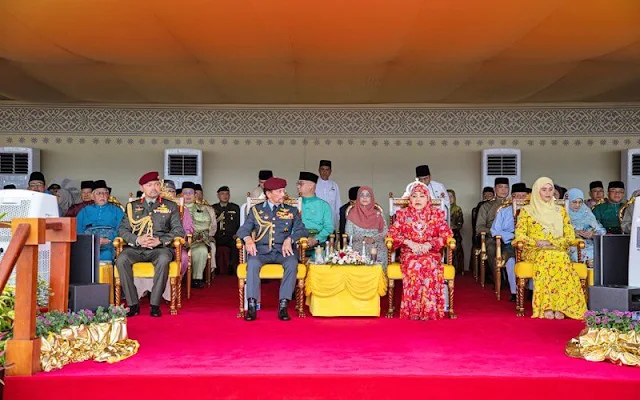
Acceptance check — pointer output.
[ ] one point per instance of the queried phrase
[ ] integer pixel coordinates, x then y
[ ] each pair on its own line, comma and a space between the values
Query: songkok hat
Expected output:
188, 185
325, 163
149, 177
487, 189
9, 187
274, 184
616, 185
198, 187
353, 192
422, 170
99, 185
501, 181
519, 188
36, 176
53, 186
308, 176
86, 185
170, 184
265, 174
223, 189
595, 184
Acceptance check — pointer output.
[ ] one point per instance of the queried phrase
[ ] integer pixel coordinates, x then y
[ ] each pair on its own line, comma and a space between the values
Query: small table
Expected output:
345, 290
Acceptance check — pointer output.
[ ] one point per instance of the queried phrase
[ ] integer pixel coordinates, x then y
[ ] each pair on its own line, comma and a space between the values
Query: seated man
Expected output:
149, 227
504, 225
316, 213
277, 227
608, 212
486, 215
86, 189
101, 218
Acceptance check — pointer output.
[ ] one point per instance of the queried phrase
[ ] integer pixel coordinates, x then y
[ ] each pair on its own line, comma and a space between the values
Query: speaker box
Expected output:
614, 297
611, 260
88, 296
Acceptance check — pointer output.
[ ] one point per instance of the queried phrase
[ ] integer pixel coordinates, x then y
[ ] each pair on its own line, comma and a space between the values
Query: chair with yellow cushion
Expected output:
273, 271
524, 272
145, 270
394, 272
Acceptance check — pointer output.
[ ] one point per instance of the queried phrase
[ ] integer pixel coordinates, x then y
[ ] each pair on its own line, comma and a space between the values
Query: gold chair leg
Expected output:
179, 289
390, 290
474, 260
483, 272
300, 299
241, 297
207, 271
521, 284
188, 280
585, 290
118, 290
498, 281
174, 294
451, 284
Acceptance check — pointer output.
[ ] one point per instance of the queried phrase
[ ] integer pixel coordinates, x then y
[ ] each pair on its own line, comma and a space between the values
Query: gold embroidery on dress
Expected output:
142, 226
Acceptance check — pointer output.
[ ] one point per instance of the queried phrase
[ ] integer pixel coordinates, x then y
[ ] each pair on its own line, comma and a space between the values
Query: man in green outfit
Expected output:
316, 213
608, 212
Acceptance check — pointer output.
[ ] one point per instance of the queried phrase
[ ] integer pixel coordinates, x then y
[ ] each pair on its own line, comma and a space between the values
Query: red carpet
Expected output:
206, 353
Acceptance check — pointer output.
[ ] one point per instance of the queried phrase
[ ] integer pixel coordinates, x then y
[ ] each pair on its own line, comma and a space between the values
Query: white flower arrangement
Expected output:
347, 256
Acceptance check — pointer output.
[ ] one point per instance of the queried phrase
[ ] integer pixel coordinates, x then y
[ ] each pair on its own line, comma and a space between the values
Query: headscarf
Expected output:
419, 187
584, 216
366, 217
455, 208
545, 212
65, 199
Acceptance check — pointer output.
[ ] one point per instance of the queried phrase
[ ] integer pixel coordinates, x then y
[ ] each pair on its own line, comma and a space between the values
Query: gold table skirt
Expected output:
345, 291
603, 344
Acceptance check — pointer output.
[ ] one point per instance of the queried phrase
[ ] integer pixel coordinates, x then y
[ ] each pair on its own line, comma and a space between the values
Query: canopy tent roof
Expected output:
320, 51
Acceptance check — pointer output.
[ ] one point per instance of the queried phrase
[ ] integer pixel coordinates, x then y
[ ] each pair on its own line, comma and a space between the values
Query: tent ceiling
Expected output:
320, 51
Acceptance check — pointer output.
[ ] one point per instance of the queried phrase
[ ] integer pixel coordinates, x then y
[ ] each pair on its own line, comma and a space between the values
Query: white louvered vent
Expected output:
630, 169
182, 165
635, 165
186, 165
16, 164
500, 163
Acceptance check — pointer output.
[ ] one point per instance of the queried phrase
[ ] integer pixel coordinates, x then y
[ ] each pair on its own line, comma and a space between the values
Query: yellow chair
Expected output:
524, 272
273, 271
105, 275
145, 270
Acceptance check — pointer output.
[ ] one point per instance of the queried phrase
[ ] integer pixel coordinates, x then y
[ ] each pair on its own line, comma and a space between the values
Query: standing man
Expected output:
487, 214
228, 219
608, 212
149, 227
353, 196
316, 213
86, 190
596, 194
276, 228
436, 189
328, 190
101, 218
263, 175
36, 182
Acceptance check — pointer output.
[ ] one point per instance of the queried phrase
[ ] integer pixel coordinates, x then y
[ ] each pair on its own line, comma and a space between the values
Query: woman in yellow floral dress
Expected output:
545, 229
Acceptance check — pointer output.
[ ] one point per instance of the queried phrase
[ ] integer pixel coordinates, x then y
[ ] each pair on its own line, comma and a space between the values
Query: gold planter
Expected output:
103, 342
602, 344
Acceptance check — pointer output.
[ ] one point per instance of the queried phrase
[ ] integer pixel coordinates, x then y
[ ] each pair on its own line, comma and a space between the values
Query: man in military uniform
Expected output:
596, 194
328, 190
228, 219
270, 232
627, 216
487, 214
436, 189
263, 175
608, 212
353, 196
148, 227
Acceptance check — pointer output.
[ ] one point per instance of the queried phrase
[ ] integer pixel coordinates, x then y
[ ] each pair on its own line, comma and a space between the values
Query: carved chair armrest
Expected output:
451, 246
499, 261
483, 245
579, 244
118, 243
519, 246
302, 246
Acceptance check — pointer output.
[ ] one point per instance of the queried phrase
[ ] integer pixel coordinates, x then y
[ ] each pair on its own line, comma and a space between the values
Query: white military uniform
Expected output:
328, 191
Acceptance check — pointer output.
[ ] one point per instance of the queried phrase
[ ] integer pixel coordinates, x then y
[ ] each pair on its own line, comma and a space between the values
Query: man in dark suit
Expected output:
353, 195
228, 219
149, 226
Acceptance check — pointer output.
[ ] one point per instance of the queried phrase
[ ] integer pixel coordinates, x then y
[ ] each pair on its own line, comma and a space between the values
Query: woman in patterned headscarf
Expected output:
420, 231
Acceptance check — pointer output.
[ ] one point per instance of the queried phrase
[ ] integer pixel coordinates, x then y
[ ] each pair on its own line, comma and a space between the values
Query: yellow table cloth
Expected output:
345, 290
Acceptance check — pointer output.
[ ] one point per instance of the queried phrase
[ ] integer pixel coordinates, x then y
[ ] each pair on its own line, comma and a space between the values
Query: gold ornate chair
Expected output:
524, 270
272, 271
394, 272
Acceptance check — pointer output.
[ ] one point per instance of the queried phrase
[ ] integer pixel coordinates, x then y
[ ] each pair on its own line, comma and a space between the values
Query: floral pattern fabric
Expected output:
557, 285
423, 274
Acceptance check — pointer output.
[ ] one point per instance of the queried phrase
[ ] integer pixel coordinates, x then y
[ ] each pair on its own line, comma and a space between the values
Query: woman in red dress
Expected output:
420, 230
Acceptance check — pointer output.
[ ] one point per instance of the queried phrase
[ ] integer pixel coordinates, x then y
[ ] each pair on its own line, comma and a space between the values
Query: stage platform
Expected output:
205, 352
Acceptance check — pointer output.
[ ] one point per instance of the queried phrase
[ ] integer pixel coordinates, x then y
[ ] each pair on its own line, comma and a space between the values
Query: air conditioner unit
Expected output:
501, 162
17, 163
630, 162
181, 165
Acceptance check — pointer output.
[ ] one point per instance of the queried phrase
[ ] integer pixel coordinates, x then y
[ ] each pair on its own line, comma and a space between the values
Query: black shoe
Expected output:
252, 312
133, 310
197, 284
513, 298
155, 311
283, 314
